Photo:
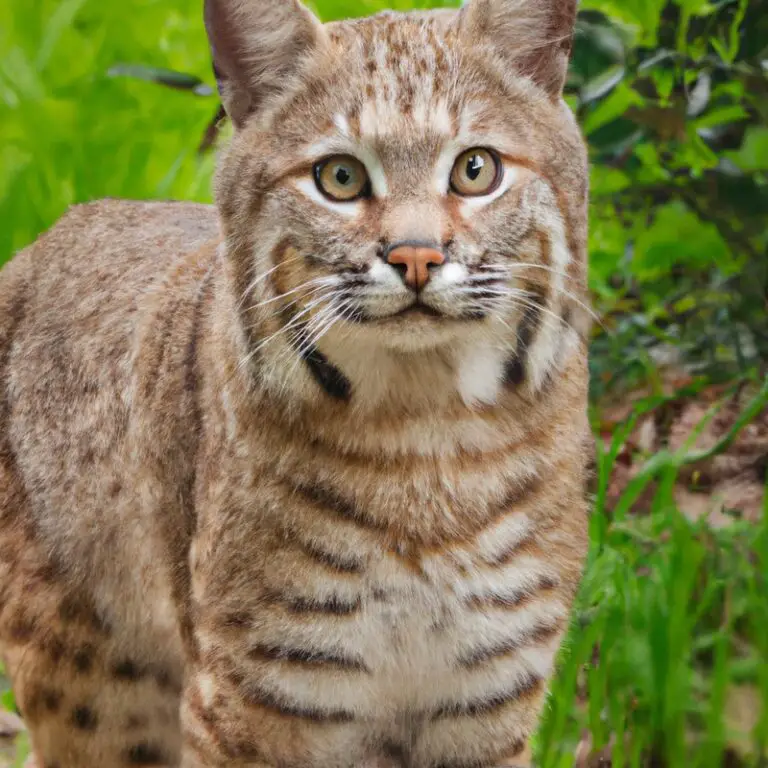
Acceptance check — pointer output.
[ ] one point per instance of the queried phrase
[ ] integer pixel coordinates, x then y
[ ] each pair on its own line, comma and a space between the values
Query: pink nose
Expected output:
417, 261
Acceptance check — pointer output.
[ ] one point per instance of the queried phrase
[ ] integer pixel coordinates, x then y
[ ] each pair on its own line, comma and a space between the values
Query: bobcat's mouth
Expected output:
418, 309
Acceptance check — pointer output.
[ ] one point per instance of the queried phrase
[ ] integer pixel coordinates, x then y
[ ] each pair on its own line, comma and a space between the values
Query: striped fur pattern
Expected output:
260, 504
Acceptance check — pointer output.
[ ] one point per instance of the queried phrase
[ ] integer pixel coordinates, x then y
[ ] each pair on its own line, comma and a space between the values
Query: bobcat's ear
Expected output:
259, 47
535, 37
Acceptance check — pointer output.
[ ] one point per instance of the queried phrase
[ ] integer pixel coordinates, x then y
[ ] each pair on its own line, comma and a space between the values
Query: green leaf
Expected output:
728, 51
608, 181
603, 84
721, 116
676, 237
665, 80
59, 21
753, 155
8, 700
614, 106
720, 48
643, 15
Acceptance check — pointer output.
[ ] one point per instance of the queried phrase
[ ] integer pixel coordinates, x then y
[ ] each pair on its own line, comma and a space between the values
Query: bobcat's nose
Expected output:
417, 259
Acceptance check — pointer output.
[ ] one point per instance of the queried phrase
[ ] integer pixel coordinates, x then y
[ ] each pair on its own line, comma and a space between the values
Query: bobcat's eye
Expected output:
342, 178
476, 172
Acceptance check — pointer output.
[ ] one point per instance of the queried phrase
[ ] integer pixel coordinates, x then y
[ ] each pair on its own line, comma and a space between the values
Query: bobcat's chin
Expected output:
416, 328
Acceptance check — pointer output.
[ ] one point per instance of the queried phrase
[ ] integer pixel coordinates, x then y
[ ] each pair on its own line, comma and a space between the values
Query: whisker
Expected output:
546, 311
486, 278
509, 267
317, 300
294, 321
482, 307
316, 283
323, 322
335, 315
263, 276
506, 268
522, 298
497, 291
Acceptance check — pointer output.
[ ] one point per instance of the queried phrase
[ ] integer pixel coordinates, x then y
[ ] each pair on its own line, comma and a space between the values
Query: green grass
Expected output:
69, 132
672, 618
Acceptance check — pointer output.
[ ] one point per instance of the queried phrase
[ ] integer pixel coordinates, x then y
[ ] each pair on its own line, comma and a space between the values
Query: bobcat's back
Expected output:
77, 310
81, 317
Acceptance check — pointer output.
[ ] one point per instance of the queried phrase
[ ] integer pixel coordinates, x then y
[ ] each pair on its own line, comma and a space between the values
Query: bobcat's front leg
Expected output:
271, 680
229, 719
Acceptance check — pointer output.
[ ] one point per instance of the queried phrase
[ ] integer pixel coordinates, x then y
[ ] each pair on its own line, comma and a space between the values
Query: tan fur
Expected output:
253, 514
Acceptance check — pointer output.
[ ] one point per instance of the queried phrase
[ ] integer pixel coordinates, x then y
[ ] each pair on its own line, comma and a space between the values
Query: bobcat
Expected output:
298, 481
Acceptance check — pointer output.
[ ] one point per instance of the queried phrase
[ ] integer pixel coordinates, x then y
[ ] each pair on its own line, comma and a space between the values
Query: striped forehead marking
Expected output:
410, 73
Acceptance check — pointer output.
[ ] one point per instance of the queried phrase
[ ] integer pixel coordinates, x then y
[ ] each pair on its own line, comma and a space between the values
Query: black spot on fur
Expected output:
127, 671
541, 632
166, 681
70, 610
57, 649
77, 610
83, 658
51, 699
260, 698
512, 751
329, 499
136, 722
145, 753
84, 718
332, 605
306, 657
21, 630
331, 559
237, 620
49, 572
515, 372
395, 752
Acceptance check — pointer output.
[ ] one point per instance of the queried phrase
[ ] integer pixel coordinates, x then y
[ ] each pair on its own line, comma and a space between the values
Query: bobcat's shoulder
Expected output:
79, 304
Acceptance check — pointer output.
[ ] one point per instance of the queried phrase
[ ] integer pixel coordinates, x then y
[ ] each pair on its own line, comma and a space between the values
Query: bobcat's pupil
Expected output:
475, 166
343, 176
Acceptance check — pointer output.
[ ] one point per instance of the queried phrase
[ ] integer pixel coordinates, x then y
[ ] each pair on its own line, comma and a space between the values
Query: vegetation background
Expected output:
667, 662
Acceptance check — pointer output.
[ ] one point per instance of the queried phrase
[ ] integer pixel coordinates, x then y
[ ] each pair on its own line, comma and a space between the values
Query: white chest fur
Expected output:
454, 631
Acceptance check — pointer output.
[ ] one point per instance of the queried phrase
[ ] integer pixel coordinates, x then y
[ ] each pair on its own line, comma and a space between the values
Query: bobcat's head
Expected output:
408, 183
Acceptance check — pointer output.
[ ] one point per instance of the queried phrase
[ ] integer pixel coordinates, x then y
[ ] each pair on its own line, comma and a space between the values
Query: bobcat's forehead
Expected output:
409, 68
398, 95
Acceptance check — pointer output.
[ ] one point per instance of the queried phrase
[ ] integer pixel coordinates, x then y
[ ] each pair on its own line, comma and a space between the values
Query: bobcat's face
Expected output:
406, 184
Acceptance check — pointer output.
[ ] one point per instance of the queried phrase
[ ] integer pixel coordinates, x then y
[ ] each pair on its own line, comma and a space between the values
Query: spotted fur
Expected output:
255, 508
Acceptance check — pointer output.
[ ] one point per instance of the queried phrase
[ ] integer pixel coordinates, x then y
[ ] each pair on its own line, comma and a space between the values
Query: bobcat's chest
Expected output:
431, 635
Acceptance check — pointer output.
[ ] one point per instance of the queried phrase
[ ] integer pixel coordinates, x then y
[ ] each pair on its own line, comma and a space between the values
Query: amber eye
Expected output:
476, 172
342, 178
